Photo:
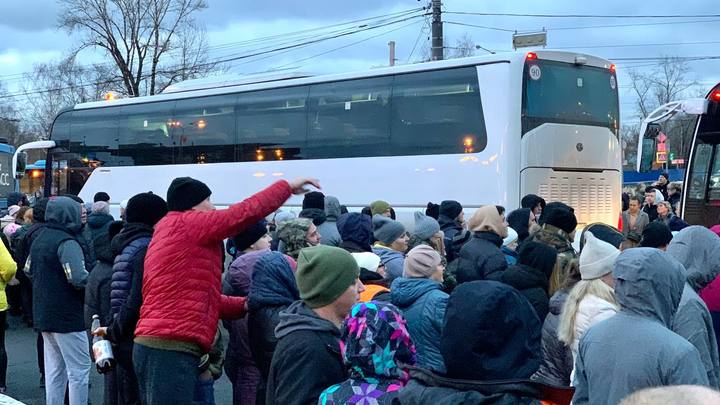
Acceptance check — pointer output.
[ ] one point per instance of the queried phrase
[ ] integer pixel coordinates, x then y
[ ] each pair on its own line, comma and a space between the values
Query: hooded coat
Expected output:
519, 220
377, 349
391, 259
328, 230
273, 290
651, 210
450, 228
566, 255
698, 250
481, 258
532, 274
490, 345
98, 225
304, 338
238, 358
636, 349
423, 304
557, 359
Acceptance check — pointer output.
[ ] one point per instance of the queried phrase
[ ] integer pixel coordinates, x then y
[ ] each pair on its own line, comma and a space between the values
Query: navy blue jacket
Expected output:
128, 245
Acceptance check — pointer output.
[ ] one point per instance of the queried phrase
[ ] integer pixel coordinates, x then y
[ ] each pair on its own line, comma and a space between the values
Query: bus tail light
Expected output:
612, 68
531, 56
715, 96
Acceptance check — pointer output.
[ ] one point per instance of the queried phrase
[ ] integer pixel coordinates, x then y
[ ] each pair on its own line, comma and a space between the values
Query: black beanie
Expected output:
314, 199
16, 198
247, 237
101, 196
450, 209
185, 193
145, 208
561, 216
531, 201
656, 235
39, 210
433, 210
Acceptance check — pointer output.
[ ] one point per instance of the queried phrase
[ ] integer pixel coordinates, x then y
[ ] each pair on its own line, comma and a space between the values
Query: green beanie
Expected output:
324, 273
379, 207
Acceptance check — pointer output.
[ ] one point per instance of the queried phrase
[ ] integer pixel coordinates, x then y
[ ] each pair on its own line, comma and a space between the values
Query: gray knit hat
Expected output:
425, 226
421, 262
387, 230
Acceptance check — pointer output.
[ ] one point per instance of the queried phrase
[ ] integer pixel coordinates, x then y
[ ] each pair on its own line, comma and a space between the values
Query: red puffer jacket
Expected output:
182, 297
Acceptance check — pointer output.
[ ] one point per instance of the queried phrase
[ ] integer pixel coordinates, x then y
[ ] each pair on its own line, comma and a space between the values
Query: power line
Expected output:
299, 35
480, 26
584, 27
635, 45
294, 46
417, 40
346, 46
584, 15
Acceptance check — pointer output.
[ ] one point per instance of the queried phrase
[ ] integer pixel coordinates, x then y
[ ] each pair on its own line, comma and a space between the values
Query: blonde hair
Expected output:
596, 287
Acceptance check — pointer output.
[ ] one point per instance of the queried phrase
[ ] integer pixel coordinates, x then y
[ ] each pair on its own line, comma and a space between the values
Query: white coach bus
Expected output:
481, 130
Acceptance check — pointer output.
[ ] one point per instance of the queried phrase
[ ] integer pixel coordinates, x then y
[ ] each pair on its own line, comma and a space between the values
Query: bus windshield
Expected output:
7, 184
563, 93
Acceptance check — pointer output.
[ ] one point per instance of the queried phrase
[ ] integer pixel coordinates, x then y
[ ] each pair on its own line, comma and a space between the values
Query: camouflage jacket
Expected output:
566, 258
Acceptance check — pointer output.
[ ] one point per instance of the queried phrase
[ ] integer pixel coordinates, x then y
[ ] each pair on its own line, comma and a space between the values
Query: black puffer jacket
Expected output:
481, 258
557, 361
450, 228
531, 275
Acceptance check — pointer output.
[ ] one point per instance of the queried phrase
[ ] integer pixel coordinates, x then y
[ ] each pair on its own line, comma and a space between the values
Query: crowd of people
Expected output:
338, 307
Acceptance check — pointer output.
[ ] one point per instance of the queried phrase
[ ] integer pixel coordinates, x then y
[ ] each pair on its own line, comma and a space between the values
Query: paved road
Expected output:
23, 377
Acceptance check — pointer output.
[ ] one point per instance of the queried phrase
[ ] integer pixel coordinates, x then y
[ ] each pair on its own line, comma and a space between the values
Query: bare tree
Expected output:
464, 47
10, 122
668, 82
55, 85
144, 38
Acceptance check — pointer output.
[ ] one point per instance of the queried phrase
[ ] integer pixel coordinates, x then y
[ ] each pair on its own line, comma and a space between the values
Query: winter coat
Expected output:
377, 348
674, 201
98, 225
237, 283
450, 228
132, 242
182, 273
423, 304
426, 387
673, 222
481, 258
557, 358
640, 223
532, 284
273, 290
8, 268
698, 250
57, 269
490, 345
635, 349
393, 261
329, 230
304, 339
519, 220
566, 256
590, 311
97, 293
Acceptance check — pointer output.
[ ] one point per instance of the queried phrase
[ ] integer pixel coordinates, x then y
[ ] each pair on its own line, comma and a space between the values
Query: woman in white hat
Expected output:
592, 299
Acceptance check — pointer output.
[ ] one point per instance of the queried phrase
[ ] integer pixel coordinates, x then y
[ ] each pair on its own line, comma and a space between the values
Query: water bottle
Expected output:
102, 350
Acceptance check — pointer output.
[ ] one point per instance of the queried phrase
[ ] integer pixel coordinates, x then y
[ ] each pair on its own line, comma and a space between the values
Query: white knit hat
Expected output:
367, 260
597, 257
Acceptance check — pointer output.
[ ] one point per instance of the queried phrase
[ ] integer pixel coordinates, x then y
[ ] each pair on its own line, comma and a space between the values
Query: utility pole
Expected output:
391, 45
437, 31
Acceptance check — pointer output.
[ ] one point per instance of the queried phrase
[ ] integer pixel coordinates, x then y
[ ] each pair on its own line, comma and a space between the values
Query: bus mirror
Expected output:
21, 165
695, 106
648, 155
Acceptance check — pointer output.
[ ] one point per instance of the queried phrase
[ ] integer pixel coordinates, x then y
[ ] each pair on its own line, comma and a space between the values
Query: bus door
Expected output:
701, 194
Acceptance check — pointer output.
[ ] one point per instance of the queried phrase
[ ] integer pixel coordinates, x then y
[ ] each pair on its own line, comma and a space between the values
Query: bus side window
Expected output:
714, 180
701, 164
648, 155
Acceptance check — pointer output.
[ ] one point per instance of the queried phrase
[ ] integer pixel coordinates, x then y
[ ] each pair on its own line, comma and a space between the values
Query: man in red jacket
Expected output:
182, 298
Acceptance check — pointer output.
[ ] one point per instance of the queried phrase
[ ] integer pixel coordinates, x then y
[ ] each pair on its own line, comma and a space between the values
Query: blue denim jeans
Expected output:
204, 392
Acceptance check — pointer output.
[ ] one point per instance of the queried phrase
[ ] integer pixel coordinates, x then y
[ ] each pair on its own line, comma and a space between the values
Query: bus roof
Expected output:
563, 56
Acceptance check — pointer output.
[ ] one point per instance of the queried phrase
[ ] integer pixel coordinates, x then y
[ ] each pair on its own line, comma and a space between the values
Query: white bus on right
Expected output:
700, 202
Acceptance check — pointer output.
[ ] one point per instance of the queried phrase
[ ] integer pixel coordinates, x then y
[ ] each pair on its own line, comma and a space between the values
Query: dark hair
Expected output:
367, 211
531, 201
650, 189
20, 216
500, 209
636, 198
392, 213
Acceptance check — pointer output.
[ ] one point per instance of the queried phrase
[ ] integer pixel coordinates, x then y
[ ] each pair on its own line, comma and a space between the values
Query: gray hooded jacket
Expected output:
328, 229
636, 349
698, 249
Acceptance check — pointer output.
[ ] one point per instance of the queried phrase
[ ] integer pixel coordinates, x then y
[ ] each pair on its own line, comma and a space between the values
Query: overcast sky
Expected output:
29, 34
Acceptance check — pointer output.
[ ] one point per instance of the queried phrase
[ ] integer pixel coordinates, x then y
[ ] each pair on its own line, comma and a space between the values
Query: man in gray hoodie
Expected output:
698, 249
328, 229
636, 349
